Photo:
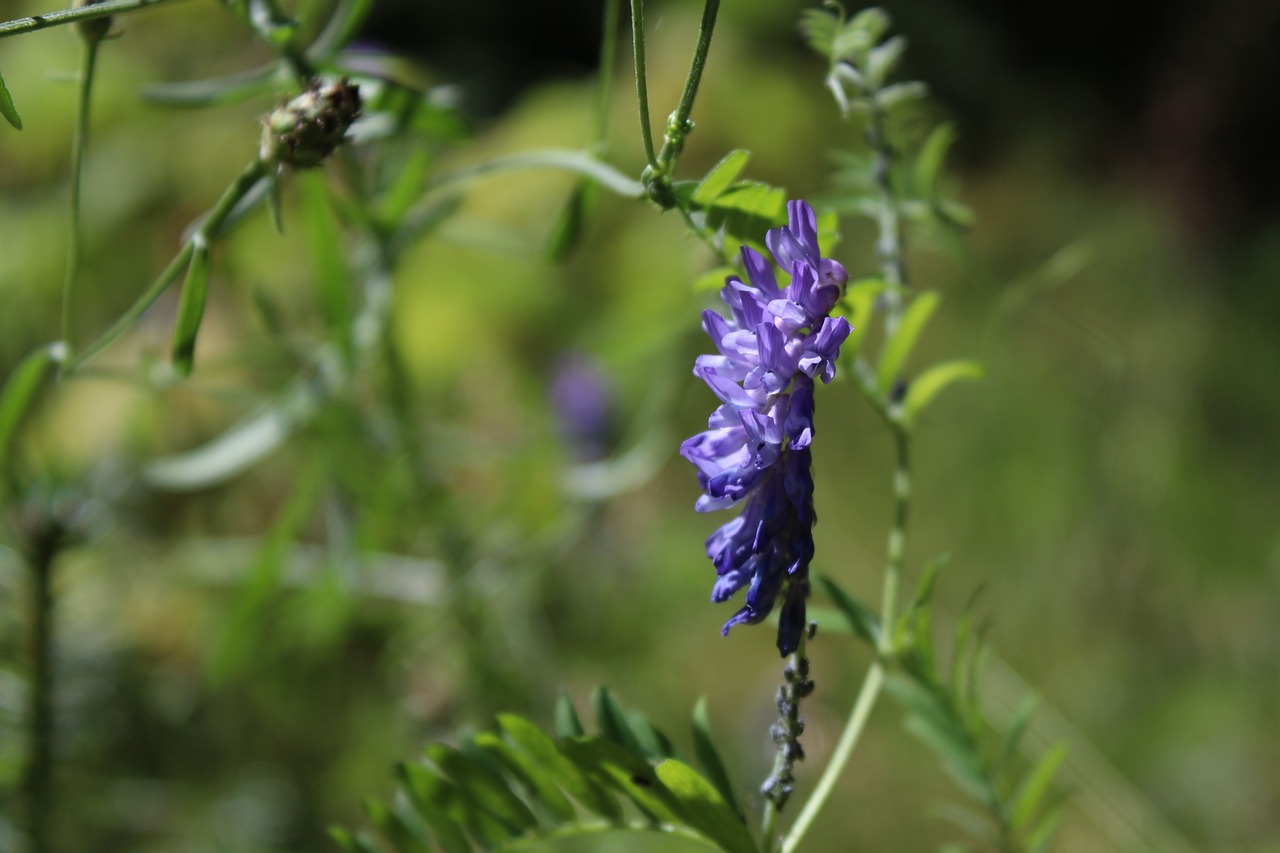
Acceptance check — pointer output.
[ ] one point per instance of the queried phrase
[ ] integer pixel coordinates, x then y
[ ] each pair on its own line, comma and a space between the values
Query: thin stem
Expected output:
867, 696
678, 126
79, 147
608, 50
889, 244
896, 548
39, 774
18, 26
642, 86
207, 230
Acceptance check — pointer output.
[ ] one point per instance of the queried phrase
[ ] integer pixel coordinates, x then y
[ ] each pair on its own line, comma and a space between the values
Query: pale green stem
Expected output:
642, 85
79, 147
889, 244
63, 17
551, 158
206, 231
608, 49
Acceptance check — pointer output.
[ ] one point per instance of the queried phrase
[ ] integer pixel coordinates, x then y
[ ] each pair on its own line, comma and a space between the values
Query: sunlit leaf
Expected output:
195, 292
899, 347
566, 718
896, 93
19, 394
533, 776
863, 622
441, 805
1036, 784
402, 828
709, 757
882, 60
618, 768
7, 109
546, 755
488, 789
932, 381
721, 176
704, 809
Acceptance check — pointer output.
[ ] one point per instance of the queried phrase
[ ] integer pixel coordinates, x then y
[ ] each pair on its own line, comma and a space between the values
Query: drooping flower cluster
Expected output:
756, 446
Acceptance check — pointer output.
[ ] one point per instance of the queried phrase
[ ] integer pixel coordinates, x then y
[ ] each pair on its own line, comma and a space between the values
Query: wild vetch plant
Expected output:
359, 141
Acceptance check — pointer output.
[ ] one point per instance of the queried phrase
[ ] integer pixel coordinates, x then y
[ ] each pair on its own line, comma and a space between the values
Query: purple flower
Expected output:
755, 450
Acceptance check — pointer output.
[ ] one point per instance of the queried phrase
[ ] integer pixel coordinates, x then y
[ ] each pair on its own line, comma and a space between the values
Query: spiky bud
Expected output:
308, 128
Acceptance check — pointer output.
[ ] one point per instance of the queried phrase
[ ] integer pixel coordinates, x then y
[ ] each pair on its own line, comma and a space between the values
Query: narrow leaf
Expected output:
895, 93
218, 91
863, 622
655, 745
1036, 785
1042, 836
1018, 727
536, 778
898, 348
488, 789
858, 305
933, 381
612, 721
566, 717
20, 392
402, 828
7, 109
333, 279
440, 804
704, 747
930, 160
721, 176
883, 60
567, 231
703, 809
614, 766
195, 291
544, 753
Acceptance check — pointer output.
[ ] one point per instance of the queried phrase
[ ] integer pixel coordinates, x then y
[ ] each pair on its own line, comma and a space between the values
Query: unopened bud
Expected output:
92, 29
307, 129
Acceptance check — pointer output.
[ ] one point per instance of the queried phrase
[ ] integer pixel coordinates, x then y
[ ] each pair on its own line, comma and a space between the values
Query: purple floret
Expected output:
755, 451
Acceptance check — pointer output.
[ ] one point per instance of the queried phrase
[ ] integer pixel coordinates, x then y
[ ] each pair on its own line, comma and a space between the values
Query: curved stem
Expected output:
874, 681
79, 146
642, 85
678, 126
207, 230
608, 49
550, 158
853, 728
104, 9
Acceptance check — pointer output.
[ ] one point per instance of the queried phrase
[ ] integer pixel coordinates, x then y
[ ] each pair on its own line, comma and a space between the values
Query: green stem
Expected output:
79, 146
853, 728
551, 158
642, 86
18, 26
207, 230
679, 126
39, 774
889, 244
608, 50
874, 681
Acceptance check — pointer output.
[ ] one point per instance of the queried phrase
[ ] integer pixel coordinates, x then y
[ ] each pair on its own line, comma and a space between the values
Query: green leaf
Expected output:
486, 787
401, 826
858, 305
1040, 839
1018, 726
747, 210
333, 279
440, 804
896, 93
612, 720
7, 109
546, 754
709, 757
929, 162
655, 745
1036, 785
217, 91
567, 231
721, 176
863, 622
612, 765
883, 60
535, 777
898, 348
20, 392
566, 717
360, 843
703, 809
195, 291
931, 382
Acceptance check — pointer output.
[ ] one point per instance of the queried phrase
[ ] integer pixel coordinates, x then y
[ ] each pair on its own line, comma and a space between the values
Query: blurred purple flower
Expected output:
755, 450
580, 400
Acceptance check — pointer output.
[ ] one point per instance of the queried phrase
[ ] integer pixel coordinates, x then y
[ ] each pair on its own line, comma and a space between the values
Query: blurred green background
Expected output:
1111, 485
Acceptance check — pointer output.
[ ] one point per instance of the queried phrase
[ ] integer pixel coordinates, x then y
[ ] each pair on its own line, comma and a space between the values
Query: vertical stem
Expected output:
642, 85
39, 774
608, 49
896, 548
678, 126
889, 244
79, 147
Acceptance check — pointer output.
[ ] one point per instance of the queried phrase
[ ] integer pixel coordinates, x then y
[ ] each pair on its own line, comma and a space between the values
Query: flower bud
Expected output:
92, 29
308, 128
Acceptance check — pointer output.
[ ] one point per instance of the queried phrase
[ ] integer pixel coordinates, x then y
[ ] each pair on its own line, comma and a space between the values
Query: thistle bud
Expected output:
308, 128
